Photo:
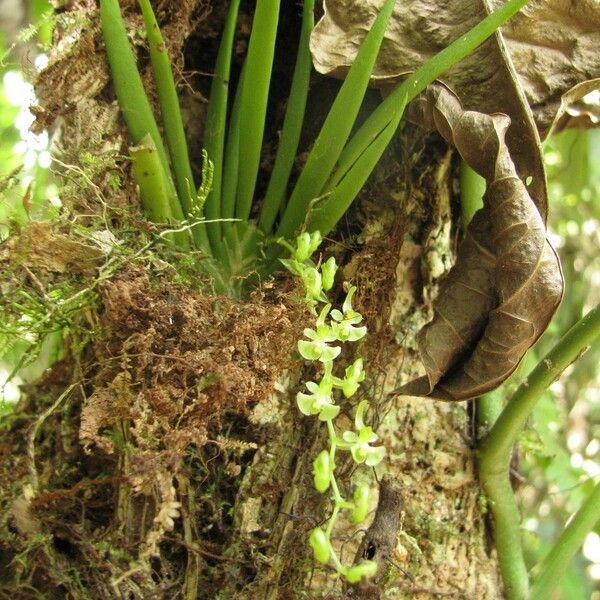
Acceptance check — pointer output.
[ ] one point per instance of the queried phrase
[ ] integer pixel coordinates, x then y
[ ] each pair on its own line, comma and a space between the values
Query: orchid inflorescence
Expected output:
321, 344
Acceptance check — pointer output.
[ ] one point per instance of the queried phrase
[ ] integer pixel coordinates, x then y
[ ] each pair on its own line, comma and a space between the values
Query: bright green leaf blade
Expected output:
253, 108
292, 125
216, 124
232, 153
231, 161
420, 79
169, 106
333, 206
336, 129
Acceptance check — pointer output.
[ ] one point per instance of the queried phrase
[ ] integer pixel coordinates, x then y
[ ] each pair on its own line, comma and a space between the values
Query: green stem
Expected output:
507, 532
496, 449
216, 125
338, 499
497, 446
472, 189
292, 125
332, 450
489, 408
553, 566
156, 190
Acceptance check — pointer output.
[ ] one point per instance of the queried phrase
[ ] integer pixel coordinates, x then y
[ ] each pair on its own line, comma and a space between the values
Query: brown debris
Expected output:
76, 75
175, 362
379, 541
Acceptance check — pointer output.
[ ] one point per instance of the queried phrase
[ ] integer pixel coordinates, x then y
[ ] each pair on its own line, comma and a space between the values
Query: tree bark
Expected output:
246, 497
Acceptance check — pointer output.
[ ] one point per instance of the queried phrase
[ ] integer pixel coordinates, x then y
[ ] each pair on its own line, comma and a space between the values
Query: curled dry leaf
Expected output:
579, 107
507, 281
554, 46
542, 52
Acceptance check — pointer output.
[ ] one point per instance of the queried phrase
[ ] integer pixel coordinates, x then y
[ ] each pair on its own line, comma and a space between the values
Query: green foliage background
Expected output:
562, 451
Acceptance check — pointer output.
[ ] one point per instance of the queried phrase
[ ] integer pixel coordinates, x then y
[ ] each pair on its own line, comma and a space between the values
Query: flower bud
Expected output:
312, 282
367, 568
302, 251
362, 496
320, 545
306, 245
328, 270
321, 471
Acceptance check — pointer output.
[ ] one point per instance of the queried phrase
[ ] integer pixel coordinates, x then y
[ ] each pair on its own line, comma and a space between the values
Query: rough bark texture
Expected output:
228, 514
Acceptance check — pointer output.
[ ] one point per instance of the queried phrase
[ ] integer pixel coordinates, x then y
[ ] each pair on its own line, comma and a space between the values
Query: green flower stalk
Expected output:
319, 400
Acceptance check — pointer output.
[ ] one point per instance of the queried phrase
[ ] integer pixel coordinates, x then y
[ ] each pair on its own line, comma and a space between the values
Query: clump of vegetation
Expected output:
242, 250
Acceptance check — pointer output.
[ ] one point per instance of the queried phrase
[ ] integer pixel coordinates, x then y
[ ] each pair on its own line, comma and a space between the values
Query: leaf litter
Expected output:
507, 281
523, 71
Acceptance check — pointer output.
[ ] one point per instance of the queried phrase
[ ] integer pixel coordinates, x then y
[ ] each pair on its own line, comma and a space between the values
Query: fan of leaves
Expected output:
507, 282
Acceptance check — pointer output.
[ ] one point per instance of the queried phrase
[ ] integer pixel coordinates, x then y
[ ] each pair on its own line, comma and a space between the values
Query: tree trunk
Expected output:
222, 504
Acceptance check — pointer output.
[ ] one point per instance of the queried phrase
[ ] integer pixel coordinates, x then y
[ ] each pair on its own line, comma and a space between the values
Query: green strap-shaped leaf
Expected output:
292, 125
336, 129
169, 106
334, 205
155, 190
216, 125
131, 95
253, 108
419, 80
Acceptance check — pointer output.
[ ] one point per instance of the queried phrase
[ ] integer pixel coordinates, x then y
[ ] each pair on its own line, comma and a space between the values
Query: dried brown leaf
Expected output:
542, 52
553, 45
507, 281
579, 107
